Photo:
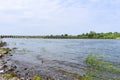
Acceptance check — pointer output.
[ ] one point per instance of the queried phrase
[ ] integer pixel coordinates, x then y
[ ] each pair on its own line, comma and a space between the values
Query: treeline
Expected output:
63, 36
90, 35
108, 35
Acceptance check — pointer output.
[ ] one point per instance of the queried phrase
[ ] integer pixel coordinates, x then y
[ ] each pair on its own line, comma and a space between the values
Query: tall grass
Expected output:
98, 64
97, 67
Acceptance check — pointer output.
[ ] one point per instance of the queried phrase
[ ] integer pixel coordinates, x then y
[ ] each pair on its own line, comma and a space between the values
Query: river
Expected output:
52, 57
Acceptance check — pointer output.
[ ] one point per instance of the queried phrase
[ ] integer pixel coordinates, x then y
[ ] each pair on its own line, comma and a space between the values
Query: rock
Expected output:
14, 48
25, 68
4, 66
1, 71
2, 44
1, 55
14, 78
22, 78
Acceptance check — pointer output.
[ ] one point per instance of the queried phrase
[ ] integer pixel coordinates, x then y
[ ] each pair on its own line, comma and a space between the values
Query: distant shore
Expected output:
89, 35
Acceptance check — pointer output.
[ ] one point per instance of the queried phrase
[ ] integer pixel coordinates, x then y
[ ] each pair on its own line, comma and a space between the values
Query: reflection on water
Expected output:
45, 55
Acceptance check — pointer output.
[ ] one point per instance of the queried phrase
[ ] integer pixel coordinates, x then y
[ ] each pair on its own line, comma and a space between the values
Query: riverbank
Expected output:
3, 73
10, 71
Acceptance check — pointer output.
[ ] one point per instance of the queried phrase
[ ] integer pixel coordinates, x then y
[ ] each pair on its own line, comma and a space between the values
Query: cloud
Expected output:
94, 0
59, 15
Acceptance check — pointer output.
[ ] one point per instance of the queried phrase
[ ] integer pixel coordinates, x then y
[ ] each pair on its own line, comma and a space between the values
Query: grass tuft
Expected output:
36, 78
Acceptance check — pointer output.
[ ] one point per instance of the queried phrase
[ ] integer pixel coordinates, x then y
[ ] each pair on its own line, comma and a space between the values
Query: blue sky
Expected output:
42, 17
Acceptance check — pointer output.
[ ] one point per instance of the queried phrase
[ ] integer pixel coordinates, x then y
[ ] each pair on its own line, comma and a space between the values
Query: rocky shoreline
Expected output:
10, 71
5, 74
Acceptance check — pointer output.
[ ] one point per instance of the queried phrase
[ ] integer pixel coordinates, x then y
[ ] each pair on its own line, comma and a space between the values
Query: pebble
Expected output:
1, 71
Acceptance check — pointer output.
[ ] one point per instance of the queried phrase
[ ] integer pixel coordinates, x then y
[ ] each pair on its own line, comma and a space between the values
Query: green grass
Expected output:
86, 77
36, 78
4, 50
10, 75
92, 61
97, 67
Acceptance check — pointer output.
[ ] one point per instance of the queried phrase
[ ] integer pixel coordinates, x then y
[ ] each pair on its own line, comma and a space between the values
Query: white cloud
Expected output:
59, 14
94, 0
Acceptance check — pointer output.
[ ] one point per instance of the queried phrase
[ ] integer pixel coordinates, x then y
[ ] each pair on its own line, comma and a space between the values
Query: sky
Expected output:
45, 17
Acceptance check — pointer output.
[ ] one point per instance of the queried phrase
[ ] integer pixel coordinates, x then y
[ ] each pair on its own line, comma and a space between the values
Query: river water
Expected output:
55, 56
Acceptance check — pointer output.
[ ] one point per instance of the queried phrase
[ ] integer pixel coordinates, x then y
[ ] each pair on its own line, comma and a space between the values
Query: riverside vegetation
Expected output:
89, 35
98, 67
3, 50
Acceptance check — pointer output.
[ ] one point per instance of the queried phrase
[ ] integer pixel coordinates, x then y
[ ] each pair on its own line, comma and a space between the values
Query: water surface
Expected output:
52, 55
